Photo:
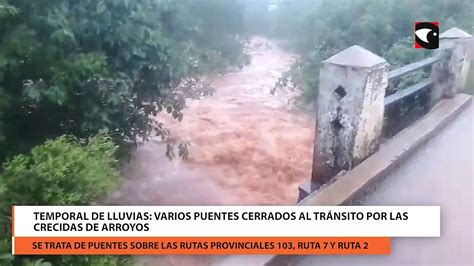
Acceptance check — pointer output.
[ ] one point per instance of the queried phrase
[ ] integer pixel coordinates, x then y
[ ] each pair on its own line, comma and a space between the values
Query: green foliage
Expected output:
76, 67
64, 171
320, 29
3, 106
61, 171
402, 53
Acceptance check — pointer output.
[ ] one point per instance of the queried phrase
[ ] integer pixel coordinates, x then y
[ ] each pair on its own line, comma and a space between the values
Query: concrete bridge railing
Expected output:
357, 93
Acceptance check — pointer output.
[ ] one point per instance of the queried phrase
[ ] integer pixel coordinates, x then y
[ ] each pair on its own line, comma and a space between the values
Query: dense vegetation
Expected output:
320, 29
81, 80
63, 171
75, 67
78, 68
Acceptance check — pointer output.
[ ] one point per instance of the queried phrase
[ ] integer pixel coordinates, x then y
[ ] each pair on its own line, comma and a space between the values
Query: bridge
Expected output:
362, 103
383, 142
439, 174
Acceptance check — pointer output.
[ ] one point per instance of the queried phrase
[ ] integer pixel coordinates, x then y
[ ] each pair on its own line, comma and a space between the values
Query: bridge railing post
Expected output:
450, 73
350, 112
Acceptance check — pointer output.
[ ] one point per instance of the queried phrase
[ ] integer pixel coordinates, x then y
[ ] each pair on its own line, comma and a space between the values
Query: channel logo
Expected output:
427, 35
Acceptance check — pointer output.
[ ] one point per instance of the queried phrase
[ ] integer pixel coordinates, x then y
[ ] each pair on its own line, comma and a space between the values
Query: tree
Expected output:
71, 69
76, 67
64, 171
320, 29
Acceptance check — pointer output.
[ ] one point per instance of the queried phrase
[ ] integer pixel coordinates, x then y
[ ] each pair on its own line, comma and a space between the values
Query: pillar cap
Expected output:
355, 56
454, 33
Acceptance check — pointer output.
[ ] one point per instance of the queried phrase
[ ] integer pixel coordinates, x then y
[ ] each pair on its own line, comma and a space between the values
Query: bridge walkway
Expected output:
440, 173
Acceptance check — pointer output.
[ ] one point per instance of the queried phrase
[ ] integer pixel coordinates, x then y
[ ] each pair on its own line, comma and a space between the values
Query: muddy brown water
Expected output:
247, 146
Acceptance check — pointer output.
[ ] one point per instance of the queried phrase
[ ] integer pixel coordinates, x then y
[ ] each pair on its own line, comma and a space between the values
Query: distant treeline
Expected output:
318, 29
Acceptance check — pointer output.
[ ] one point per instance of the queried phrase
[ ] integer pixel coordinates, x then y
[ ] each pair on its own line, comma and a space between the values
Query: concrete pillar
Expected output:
350, 111
450, 73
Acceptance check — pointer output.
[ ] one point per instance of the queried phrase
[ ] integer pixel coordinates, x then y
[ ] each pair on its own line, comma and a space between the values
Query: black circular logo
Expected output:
426, 35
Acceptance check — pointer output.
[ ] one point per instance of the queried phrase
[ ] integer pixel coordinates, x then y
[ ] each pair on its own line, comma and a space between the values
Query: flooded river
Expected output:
247, 145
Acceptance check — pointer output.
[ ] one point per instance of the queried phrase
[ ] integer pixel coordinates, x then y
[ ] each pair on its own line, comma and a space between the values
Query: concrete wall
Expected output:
371, 119
351, 96
350, 107
470, 45
451, 75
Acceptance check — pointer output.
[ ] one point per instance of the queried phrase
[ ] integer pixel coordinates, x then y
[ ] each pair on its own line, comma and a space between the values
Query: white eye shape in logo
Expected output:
426, 35
423, 34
